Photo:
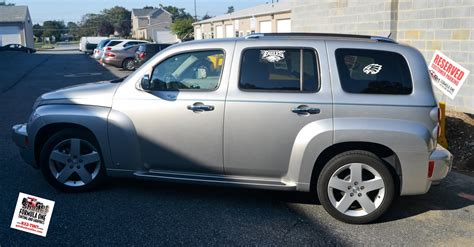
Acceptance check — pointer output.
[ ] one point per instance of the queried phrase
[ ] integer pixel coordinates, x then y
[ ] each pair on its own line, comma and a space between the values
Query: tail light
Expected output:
108, 48
109, 54
141, 55
430, 168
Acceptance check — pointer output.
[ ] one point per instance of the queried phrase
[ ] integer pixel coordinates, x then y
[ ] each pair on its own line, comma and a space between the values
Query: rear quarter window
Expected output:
114, 43
373, 72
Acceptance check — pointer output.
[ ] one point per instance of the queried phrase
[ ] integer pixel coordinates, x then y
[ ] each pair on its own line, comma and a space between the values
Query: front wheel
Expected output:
71, 161
355, 187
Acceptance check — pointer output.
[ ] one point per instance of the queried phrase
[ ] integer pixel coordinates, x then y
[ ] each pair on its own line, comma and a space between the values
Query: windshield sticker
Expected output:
372, 69
272, 56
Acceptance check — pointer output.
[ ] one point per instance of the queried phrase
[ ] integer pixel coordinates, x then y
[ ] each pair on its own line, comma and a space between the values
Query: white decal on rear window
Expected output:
372, 69
272, 55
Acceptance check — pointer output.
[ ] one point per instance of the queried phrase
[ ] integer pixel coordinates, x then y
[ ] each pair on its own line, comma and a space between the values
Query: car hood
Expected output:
95, 94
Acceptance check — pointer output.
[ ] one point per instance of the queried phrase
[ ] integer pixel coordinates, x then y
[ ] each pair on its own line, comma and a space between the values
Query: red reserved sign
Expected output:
447, 75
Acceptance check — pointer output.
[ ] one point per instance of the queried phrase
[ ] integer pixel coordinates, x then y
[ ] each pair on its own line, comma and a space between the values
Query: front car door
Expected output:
277, 87
179, 122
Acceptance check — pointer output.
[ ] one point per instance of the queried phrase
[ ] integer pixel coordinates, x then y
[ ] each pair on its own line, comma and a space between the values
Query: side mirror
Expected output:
146, 83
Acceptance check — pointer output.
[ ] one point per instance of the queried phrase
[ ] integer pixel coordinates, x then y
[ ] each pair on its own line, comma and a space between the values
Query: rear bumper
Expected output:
20, 138
112, 61
443, 161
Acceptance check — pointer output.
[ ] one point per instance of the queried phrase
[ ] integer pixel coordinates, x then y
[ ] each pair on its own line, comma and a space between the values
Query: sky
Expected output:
73, 10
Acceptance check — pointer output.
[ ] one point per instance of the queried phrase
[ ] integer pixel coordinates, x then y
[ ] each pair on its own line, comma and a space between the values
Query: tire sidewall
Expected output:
366, 158
125, 64
46, 152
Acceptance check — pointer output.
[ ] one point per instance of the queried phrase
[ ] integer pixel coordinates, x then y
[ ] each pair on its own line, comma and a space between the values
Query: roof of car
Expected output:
319, 36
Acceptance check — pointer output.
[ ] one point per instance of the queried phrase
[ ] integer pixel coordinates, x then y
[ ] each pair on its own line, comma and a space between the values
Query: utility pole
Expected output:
195, 11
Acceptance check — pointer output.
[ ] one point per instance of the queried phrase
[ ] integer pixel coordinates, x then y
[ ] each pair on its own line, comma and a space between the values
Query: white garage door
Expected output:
265, 26
284, 26
219, 32
10, 35
197, 34
229, 31
165, 37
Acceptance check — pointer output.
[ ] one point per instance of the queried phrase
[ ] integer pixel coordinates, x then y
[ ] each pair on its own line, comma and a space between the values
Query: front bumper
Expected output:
443, 161
20, 138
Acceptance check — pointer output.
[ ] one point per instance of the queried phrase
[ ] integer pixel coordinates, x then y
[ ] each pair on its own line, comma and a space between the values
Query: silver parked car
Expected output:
352, 119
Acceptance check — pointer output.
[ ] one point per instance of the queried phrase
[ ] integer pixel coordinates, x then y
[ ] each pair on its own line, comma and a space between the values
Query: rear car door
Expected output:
277, 87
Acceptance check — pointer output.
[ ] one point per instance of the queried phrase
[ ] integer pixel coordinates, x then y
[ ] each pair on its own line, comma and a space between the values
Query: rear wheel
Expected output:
355, 187
71, 161
128, 64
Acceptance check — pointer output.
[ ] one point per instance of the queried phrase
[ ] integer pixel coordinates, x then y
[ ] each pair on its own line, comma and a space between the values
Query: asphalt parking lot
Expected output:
129, 211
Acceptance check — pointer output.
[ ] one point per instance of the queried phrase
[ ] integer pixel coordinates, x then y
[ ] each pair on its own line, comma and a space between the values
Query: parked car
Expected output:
98, 51
123, 43
121, 58
147, 51
88, 44
17, 47
351, 119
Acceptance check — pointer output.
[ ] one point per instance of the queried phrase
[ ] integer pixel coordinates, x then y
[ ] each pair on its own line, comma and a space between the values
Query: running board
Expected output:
236, 181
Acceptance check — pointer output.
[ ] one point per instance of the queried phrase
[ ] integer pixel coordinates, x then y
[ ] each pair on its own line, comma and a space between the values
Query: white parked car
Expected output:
88, 44
119, 44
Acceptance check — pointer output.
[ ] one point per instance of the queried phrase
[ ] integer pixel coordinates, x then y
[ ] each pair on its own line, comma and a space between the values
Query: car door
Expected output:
277, 87
179, 122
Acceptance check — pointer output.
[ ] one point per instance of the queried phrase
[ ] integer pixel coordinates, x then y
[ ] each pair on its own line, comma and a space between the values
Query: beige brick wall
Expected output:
428, 25
442, 25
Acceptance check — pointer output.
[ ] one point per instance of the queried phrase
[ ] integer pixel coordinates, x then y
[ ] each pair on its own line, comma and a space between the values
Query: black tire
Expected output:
126, 64
335, 165
56, 139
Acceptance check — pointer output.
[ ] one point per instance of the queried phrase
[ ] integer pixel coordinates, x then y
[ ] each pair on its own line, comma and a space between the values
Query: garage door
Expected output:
197, 34
229, 31
265, 26
165, 37
284, 26
10, 35
219, 32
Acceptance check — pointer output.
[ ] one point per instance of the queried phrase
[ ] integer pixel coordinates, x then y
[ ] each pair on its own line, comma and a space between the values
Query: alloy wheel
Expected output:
356, 189
74, 162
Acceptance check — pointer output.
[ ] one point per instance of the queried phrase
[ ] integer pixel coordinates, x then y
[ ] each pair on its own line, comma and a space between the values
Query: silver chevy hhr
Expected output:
350, 118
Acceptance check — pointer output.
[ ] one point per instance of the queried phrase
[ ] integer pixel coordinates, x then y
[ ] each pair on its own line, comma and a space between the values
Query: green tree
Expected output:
120, 18
206, 16
53, 28
230, 9
4, 3
176, 13
183, 28
73, 29
37, 30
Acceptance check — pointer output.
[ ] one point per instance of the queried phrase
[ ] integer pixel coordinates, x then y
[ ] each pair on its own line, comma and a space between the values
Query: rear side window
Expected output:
373, 72
273, 69
113, 43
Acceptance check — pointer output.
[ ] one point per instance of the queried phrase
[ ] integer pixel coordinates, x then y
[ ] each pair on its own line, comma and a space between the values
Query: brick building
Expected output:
428, 25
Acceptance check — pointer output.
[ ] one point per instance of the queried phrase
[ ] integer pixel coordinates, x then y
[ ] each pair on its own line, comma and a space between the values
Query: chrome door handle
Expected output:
305, 110
200, 107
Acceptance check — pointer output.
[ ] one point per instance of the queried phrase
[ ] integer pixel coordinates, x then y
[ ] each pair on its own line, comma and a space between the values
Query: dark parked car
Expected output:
121, 58
147, 51
17, 47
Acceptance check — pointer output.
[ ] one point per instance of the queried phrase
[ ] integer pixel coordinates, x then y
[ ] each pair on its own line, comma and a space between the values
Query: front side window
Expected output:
373, 72
200, 70
274, 69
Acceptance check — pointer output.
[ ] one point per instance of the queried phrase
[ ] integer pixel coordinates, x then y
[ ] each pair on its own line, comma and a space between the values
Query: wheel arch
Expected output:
386, 154
46, 131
